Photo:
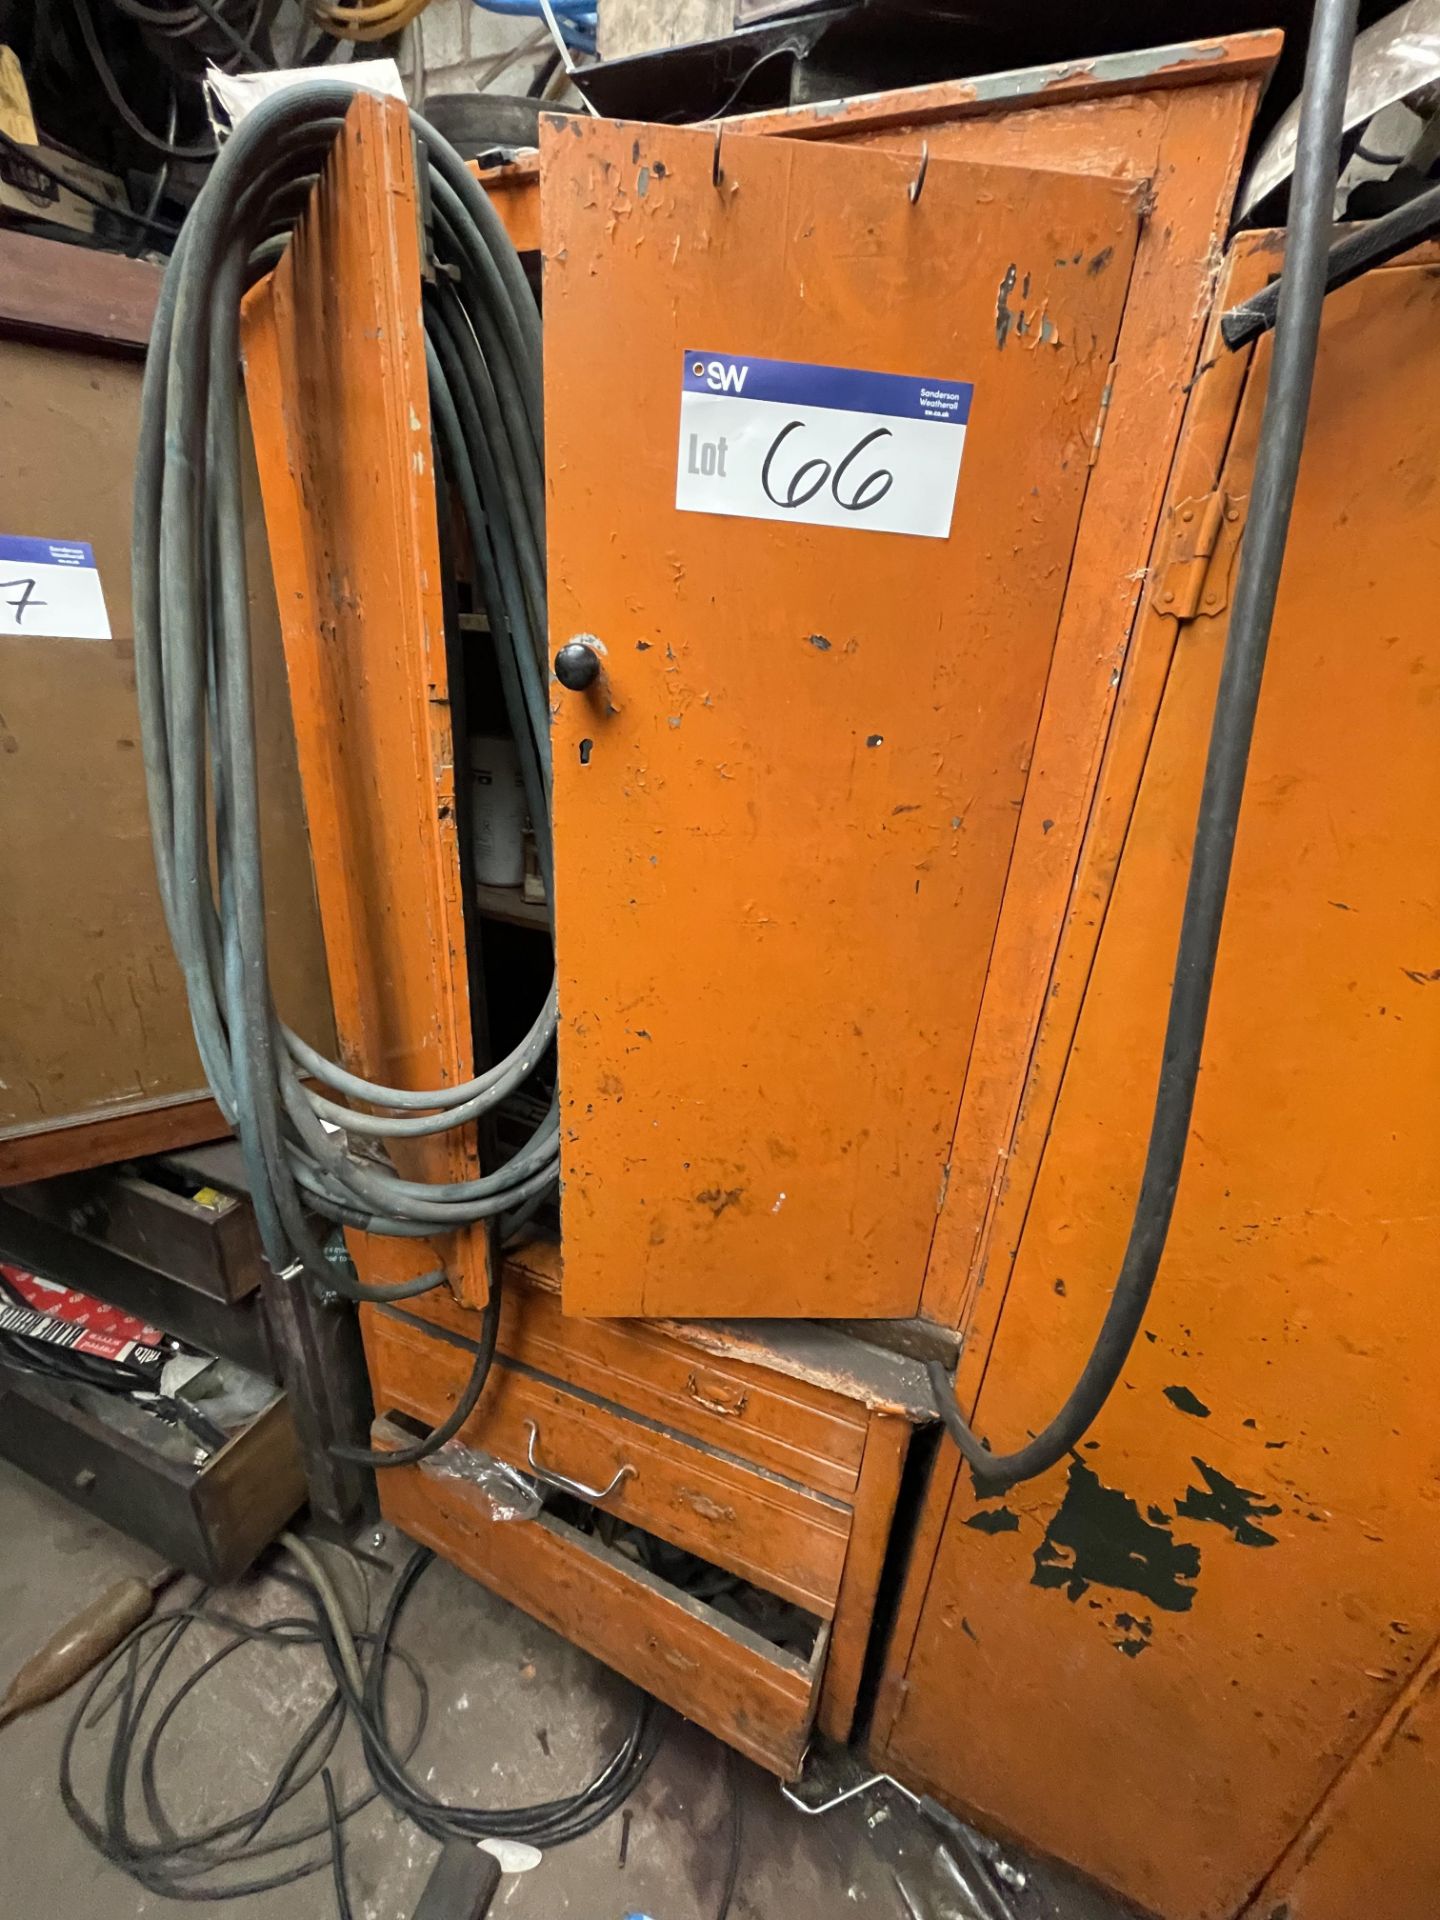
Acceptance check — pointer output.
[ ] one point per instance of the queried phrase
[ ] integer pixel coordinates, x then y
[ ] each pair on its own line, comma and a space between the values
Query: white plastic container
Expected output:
497, 813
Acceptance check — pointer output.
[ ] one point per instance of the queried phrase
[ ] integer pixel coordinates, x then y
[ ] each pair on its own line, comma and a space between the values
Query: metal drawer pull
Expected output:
570, 1486
716, 1403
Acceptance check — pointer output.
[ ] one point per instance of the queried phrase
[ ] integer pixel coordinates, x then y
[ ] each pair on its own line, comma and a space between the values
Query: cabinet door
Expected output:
785, 808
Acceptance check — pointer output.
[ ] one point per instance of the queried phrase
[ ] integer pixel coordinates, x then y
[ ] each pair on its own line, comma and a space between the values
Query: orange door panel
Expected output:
335, 377
785, 810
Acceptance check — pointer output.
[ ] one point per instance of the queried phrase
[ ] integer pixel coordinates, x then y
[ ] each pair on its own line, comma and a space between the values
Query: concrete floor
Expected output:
516, 1715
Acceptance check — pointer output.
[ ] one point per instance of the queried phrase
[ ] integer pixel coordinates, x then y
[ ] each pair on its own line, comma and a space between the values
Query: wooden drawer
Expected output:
783, 1537
759, 1698
211, 1518
802, 1432
215, 1249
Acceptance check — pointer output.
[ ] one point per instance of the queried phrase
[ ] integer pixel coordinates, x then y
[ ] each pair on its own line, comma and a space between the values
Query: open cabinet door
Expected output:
818, 429
334, 346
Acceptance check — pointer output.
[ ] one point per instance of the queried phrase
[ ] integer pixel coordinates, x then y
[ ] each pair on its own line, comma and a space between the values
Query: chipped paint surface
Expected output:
1277, 1421
763, 818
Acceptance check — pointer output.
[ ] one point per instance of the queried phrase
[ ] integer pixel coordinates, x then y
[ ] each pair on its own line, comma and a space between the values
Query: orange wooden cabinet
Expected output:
736, 1487
817, 826
1223, 1612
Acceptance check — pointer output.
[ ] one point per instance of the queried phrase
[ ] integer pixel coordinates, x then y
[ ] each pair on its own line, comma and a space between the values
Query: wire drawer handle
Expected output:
576, 1487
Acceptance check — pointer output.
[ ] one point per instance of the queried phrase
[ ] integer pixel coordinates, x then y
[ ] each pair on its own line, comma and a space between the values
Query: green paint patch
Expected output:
1186, 1401
1227, 1505
994, 1520
1099, 1537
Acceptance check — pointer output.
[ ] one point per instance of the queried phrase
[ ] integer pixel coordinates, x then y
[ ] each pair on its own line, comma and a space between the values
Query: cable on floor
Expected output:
254, 1850
306, 1151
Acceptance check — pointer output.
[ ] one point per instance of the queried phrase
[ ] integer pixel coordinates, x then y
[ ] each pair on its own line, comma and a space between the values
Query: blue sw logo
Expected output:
721, 376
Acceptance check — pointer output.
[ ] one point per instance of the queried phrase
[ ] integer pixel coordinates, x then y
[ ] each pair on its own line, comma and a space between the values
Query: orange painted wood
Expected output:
1236, 56
886, 1445
807, 1433
748, 1693
151, 1127
800, 793
1369, 1847
897, 116
1189, 144
782, 1537
1210, 1609
335, 378
514, 192
976, 1240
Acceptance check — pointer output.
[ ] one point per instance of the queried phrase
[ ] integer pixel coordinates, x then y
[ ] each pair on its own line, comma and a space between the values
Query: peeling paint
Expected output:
1097, 1536
1186, 1401
717, 1199
995, 1520
1135, 1634
1230, 1506
1004, 318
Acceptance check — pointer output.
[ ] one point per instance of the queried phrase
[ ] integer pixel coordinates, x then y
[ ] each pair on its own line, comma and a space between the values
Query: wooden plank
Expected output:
886, 1445
781, 1537
66, 1146
1236, 56
97, 1057
786, 1426
768, 813
749, 1694
335, 374
66, 295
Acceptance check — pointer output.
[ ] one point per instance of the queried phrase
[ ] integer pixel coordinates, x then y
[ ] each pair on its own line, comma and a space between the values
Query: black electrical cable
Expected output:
1277, 463
85, 20
33, 160
243, 1853
309, 1151
464, 1406
337, 1848
183, 22
733, 1789
1369, 246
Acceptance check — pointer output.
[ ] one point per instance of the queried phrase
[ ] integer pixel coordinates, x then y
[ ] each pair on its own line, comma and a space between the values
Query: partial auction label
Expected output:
51, 588
827, 446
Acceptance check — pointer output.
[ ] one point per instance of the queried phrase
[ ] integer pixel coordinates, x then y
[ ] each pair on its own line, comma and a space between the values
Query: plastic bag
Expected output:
506, 1493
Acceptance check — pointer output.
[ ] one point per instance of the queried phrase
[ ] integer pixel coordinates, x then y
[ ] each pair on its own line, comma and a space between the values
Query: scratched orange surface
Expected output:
1209, 1610
335, 378
784, 825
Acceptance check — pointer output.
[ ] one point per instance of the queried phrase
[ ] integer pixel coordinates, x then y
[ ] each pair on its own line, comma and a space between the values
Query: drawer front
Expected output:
787, 1539
755, 1697
786, 1426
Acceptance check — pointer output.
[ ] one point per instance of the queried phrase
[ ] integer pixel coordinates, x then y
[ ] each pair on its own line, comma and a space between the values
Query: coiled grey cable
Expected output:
307, 1151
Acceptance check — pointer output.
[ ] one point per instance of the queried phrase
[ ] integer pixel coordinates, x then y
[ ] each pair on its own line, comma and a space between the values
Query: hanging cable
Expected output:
1277, 464
86, 22
308, 1151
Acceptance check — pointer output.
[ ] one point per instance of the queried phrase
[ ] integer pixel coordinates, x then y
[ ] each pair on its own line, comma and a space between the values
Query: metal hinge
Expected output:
1204, 539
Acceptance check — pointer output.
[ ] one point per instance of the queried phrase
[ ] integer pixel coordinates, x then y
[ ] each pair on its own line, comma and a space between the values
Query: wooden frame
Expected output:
349, 487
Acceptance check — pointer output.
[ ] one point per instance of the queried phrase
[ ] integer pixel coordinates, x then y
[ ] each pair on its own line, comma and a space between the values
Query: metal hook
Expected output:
717, 172
918, 183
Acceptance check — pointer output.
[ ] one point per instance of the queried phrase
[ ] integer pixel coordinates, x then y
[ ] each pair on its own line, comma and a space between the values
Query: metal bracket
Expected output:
1204, 540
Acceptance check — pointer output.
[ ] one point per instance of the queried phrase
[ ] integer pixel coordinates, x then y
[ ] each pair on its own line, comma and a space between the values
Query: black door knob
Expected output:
577, 666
